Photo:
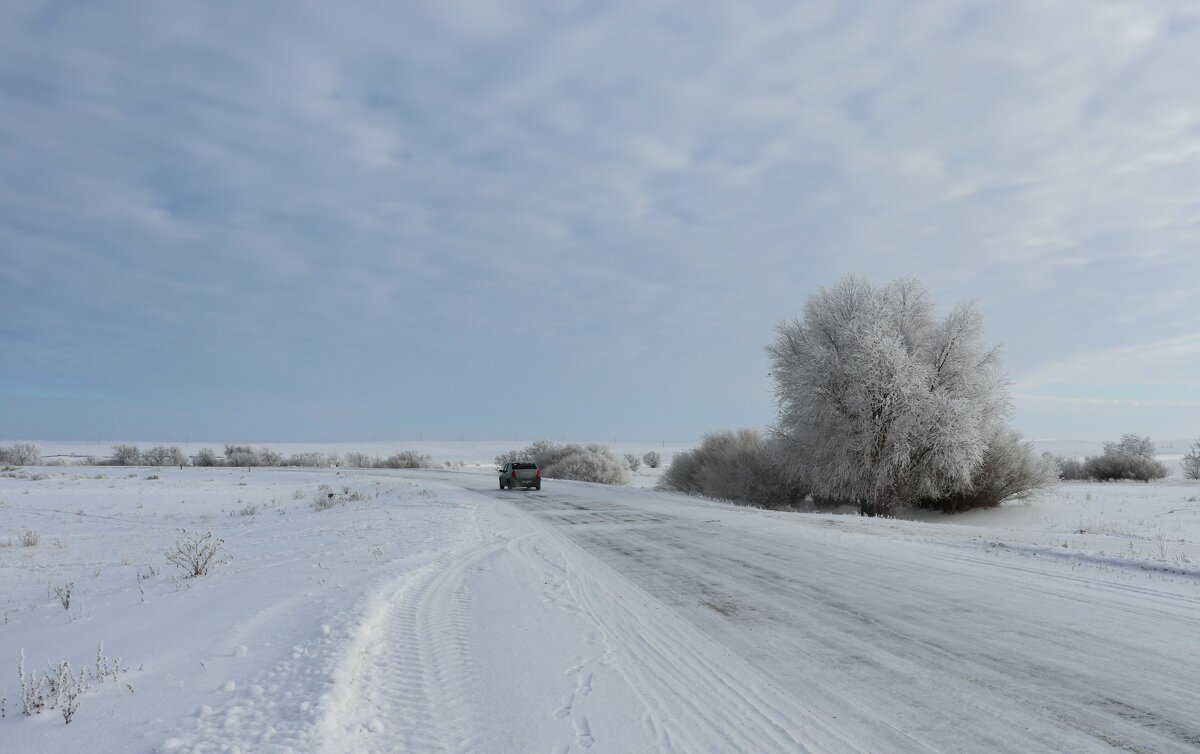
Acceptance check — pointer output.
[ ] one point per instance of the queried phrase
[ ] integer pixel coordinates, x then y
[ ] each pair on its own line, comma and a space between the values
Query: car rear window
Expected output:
524, 466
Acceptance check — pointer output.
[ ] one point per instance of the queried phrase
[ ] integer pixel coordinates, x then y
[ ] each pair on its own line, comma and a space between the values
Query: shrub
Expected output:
588, 466
30, 538
584, 463
126, 455
1009, 470
195, 554
325, 498
1130, 458
244, 455
311, 460
1108, 468
1071, 469
206, 457
1191, 462
652, 459
21, 454
407, 459
740, 466
634, 462
162, 455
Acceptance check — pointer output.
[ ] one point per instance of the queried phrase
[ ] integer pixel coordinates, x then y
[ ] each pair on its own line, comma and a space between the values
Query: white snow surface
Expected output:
437, 613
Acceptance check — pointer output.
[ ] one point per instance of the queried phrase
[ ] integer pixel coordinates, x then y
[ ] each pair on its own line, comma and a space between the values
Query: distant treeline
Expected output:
28, 454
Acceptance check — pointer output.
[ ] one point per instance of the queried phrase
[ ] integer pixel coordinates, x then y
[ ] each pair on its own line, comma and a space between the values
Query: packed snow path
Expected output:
900, 640
515, 639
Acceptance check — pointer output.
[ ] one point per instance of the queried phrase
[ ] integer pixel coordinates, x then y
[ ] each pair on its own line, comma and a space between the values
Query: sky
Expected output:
351, 221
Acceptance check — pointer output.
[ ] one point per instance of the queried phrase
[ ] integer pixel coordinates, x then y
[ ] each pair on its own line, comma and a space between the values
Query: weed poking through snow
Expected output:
195, 554
65, 594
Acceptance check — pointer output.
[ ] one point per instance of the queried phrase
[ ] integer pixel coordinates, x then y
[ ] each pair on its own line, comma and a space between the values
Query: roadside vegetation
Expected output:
1130, 458
882, 405
583, 463
741, 465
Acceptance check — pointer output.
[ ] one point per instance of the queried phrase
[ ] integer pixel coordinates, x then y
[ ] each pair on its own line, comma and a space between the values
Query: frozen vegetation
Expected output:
582, 463
1133, 458
883, 406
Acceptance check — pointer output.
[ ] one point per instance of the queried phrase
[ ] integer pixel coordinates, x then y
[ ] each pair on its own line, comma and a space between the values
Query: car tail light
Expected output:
539, 473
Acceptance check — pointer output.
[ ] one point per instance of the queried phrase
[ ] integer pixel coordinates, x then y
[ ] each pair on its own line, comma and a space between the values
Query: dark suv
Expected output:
521, 474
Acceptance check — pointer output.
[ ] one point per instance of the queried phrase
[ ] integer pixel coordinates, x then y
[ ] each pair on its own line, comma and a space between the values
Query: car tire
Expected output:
501, 484
537, 485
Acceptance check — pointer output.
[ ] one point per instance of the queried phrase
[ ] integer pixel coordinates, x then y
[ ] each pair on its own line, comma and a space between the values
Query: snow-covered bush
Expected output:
162, 455
21, 454
1009, 470
1191, 462
652, 459
311, 460
1130, 458
741, 466
244, 455
589, 466
30, 538
126, 455
585, 463
406, 459
883, 404
325, 498
196, 554
1070, 468
634, 462
206, 457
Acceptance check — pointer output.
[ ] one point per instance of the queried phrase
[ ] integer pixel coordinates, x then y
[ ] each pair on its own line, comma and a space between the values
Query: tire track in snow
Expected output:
406, 683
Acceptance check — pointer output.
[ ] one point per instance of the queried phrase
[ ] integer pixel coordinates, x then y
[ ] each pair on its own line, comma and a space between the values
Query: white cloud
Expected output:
1174, 361
689, 171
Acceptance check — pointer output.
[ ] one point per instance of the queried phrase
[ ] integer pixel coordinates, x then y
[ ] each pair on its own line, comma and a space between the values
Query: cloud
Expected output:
1113, 402
286, 197
1174, 361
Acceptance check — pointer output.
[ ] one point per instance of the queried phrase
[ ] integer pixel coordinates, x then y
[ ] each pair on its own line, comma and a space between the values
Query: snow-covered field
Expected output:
436, 613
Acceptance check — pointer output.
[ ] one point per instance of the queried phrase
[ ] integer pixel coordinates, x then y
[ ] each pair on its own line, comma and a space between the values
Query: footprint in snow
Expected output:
583, 733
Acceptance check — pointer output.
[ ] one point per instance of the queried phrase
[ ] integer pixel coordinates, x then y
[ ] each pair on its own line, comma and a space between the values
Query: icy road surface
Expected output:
906, 637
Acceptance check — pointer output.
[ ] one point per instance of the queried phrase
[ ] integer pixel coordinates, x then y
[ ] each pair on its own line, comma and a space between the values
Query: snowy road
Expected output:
899, 636
428, 611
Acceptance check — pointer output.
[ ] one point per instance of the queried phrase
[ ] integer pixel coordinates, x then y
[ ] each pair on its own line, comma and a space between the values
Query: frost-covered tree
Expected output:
652, 459
206, 457
244, 455
881, 402
21, 454
126, 455
634, 462
1131, 445
1191, 462
163, 455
